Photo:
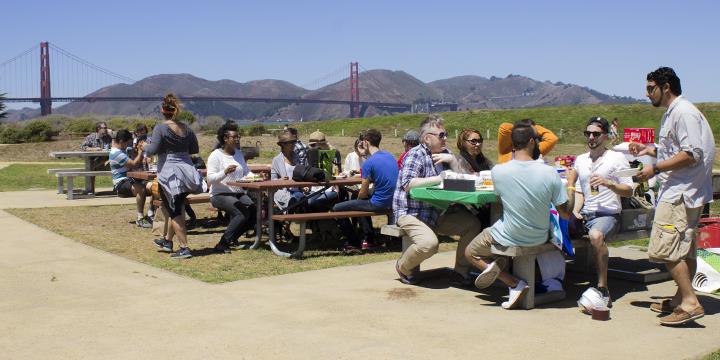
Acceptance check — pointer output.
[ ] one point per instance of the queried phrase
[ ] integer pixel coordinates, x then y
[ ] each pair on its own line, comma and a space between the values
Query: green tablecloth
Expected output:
441, 199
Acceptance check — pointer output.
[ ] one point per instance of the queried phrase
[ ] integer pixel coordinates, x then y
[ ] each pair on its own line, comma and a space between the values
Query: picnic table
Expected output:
270, 187
86, 155
151, 174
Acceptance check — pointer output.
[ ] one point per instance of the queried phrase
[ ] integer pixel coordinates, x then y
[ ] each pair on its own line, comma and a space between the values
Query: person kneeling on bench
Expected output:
125, 186
526, 188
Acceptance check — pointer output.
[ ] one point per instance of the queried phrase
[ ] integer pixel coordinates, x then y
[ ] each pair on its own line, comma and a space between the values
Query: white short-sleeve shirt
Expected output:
606, 201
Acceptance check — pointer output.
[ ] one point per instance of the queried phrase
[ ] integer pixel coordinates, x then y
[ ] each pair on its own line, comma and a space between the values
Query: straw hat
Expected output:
286, 136
317, 138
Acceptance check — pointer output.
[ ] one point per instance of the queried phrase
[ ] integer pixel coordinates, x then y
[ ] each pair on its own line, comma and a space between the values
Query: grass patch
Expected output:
117, 235
715, 355
19, 177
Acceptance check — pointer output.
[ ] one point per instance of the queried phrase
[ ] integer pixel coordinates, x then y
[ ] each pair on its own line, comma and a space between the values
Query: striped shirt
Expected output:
416, 164
118, 159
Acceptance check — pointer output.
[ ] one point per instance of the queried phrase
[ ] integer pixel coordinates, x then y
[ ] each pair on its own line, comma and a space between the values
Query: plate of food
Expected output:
485, 188
626, 172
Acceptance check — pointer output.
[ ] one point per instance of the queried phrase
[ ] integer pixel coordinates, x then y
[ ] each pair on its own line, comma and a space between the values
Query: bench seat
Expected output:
60, 178
71, 174
191, 199
302, 220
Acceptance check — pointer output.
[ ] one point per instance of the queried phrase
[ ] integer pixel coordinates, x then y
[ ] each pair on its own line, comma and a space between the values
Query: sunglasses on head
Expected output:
593, 133
474, 141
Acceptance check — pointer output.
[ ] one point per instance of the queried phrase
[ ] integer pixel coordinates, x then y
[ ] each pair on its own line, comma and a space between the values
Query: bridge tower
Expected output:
354, 91
45, 102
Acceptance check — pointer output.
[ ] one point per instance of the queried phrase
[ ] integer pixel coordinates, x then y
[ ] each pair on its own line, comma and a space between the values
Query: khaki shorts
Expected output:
480, 246
673, 232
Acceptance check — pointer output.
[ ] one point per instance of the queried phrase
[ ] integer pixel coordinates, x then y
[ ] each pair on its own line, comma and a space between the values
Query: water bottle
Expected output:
643, 187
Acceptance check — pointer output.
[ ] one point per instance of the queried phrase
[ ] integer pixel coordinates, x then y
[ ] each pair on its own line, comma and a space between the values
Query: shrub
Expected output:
80, 125
255, 130
211, 124
10, 135
117, 123
37, 131
186, 117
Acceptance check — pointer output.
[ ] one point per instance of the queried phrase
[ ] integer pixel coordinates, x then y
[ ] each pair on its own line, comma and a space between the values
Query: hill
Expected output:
469, 92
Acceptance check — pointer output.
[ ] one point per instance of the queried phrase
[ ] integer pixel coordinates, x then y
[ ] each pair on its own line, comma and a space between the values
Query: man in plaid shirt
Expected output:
422, 167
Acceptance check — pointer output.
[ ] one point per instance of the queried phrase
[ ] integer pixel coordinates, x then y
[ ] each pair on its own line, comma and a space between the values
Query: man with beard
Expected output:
526, 188
685, 153
597, 194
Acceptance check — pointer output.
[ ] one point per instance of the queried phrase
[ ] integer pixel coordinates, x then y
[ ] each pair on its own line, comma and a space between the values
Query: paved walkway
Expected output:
64, 300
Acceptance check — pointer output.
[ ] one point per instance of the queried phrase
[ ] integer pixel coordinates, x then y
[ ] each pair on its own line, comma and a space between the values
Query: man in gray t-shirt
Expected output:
685, 153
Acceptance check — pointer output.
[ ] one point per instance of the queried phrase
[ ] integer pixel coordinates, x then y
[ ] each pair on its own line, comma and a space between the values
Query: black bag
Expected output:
308, 173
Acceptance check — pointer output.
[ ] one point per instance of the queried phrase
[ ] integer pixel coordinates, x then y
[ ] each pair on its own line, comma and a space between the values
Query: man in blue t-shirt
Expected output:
124, 186
380, 169
526, 188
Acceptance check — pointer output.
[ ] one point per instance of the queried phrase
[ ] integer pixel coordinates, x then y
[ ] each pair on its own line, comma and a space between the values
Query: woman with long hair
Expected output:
471, 158
173, 142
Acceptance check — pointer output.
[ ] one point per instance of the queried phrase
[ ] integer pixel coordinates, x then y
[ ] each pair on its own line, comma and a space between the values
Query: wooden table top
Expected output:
79, 153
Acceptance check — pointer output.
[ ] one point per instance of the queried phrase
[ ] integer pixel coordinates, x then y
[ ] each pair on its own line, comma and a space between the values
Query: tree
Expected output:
186, 117
3, 113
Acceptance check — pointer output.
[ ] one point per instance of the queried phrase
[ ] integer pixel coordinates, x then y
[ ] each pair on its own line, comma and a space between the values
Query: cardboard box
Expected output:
459, 185
636, 219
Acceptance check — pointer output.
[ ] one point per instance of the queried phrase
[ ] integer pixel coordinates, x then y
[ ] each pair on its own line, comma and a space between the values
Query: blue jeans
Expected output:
365, 222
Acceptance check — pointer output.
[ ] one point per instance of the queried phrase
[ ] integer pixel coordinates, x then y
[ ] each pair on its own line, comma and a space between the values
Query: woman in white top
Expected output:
228, 164
353, 161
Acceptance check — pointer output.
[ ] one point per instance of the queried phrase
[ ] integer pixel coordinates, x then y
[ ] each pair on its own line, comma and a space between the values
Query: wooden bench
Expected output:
70, 175
191, 199
523, 259
302, 220
60, 178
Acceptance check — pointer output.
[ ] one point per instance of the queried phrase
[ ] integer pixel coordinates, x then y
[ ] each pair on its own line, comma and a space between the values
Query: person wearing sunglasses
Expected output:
685, 154
101, 139
526, 189
282, 168
471, 159
419, 220
505, 147
597, 193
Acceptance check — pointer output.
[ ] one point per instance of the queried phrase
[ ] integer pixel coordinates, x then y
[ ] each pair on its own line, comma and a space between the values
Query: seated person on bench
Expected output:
420, 220
379, 169
326, 199
101, 139
125, 186
282, 168
526, 188
228, 161
597, 194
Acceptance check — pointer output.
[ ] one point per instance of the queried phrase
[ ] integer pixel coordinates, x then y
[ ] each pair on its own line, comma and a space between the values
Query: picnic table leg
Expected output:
70, 194
259, 220
301, 246
88, 179
60, 184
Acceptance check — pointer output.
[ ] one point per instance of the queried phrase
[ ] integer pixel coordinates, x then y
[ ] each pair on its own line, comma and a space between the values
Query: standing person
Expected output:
420, 220
505, 147
228, 161
597, 195
410, 140
614, 128
126, 186
379, 169
685, 154
173, 142
99, 140
526, 189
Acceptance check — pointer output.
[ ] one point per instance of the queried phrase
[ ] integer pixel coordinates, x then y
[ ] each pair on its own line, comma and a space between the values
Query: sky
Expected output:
608, 46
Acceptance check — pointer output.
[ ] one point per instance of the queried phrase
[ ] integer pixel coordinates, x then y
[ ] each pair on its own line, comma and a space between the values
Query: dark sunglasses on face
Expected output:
474, 141
650, 88
442, 135
593, 133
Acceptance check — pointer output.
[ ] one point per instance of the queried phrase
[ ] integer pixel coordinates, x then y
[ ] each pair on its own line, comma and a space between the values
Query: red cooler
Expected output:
709, 233
639, 135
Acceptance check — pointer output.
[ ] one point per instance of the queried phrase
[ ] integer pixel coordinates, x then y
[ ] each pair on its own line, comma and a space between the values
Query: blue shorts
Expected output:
607, 224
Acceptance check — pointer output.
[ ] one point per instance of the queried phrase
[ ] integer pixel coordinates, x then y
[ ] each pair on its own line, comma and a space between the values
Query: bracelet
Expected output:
571, 188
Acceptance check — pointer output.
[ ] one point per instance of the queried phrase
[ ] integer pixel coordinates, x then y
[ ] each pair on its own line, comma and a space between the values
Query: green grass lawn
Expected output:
115, 233
19, 177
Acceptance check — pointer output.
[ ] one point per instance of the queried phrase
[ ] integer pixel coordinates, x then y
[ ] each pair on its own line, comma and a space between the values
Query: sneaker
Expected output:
665, 307
516, 295
680, 316
221, 248
405, 279
164, 245
183, 253
143, 223
606, 296
488, 276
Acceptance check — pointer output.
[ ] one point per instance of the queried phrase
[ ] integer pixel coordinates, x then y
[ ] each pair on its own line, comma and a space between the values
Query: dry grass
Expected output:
116, 234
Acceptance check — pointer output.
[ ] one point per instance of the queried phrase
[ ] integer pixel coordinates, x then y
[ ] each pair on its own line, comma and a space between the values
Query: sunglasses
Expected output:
442, 135
593, 133
651, 88
293, 142
474, 141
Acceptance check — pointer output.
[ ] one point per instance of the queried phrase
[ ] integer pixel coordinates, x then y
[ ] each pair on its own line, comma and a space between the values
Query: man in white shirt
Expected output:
685, 153
597, 194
